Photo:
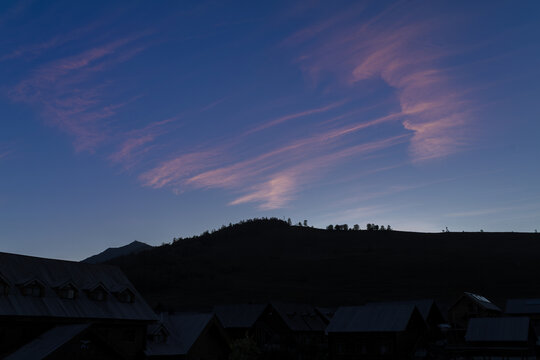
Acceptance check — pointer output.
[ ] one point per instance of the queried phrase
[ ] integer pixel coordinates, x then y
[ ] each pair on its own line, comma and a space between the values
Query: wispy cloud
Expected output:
295, 115
36, 49
139, 142
69, 97
214, 104
399, 50
172, 172
278, 175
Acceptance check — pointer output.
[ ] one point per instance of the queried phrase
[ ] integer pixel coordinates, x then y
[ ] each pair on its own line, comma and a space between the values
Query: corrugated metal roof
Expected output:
498, 329
47, 343
482, 301
239, 315
387, 318
18, 269
300, 317
424, 305
523, 306
184, 329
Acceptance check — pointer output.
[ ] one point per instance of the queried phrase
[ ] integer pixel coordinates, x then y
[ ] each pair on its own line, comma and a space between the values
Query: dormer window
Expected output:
67, 291
126, 296
98, 293
159, 336
33, 288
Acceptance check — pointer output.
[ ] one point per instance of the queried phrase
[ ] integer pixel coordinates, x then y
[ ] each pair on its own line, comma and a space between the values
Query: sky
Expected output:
149, 120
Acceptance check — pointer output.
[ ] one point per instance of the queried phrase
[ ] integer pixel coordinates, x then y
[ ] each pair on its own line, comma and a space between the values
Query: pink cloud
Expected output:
33, 50
173, 171
398, 50
281, 186
137, 142
68, 97
272, 194
272, 178
298, 150
288, 117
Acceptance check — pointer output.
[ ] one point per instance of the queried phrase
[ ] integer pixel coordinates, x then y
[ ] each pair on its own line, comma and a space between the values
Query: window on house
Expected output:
126, 296
160, 337
33, 289
67, 292
98, 294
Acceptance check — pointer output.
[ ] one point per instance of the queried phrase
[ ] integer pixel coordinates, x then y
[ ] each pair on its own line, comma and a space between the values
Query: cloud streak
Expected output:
139, 142
399, 51
297, 115
68, 96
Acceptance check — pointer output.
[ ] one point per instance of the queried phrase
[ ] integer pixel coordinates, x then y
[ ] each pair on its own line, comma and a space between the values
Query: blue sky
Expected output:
136, 120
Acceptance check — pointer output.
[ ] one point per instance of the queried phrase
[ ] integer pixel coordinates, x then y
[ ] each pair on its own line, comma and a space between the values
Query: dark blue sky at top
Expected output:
153, 120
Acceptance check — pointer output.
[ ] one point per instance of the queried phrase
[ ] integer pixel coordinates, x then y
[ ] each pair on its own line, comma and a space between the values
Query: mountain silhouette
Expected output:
111, 253
269, 260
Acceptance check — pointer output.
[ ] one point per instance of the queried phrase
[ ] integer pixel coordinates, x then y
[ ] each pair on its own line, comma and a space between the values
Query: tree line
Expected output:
356, 227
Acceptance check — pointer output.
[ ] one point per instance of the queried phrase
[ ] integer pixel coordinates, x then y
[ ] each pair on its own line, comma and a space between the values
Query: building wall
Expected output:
211, 345
349, 346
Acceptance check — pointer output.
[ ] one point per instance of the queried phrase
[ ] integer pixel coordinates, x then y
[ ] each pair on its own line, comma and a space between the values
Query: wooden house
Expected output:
469, 306
377, 332
259, 321
497, 338
305, 336
188, 336
69, 307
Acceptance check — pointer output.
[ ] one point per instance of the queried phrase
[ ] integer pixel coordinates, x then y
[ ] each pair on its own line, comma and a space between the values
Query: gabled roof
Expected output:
63, 284
300, 317
19, 269
326, 312
482, 301
387, 318
498, 329
424, 305
239, 315
47, 343
184, 329
523, 306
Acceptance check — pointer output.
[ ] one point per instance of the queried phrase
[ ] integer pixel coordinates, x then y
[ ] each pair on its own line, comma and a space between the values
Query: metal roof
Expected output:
48, 342
239, 315
498, 329
19, 269
482, 301
387, 318
326, 312
184, 329
300, 317
424, 305
523, 306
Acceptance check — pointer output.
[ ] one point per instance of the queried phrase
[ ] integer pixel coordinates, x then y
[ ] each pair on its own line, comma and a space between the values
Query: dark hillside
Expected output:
111, 253
262, 260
